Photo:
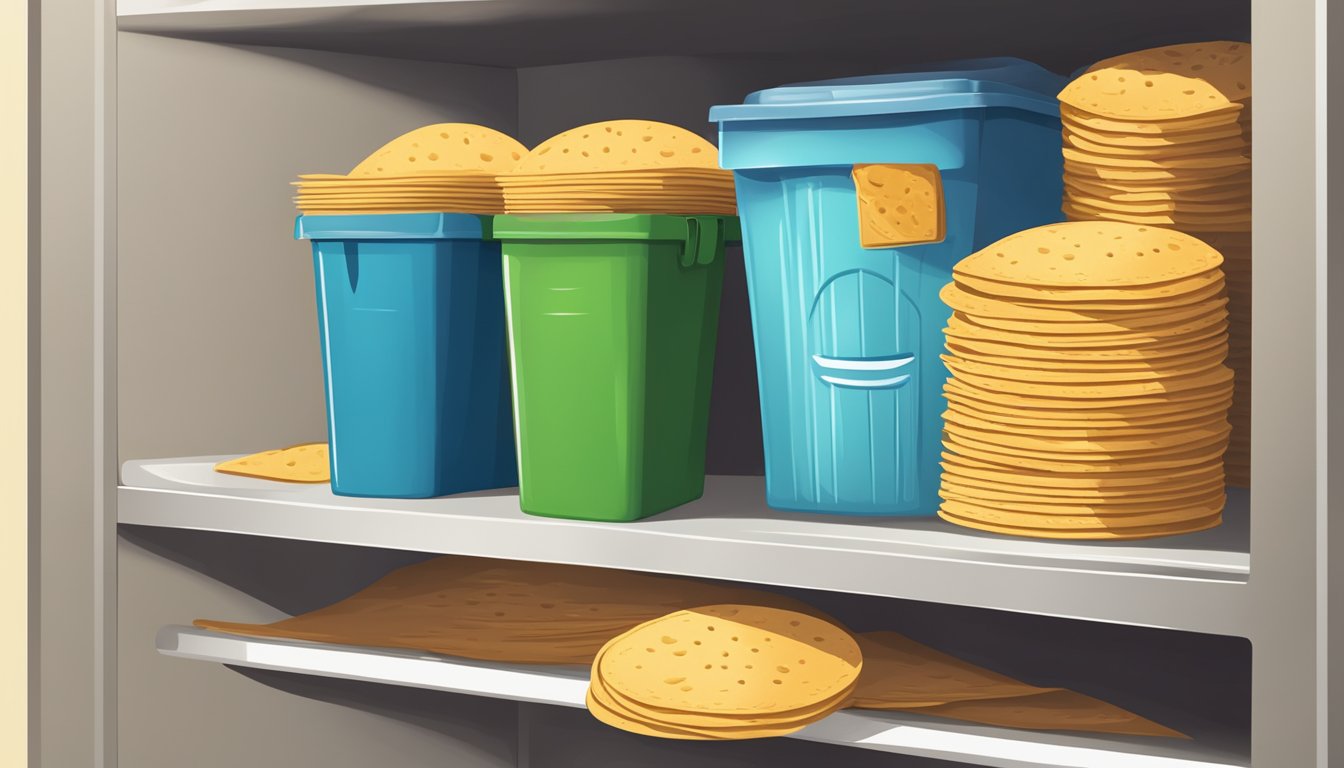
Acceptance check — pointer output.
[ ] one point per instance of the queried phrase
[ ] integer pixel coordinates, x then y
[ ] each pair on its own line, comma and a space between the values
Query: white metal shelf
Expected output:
1196, 582
522, 33
565, 686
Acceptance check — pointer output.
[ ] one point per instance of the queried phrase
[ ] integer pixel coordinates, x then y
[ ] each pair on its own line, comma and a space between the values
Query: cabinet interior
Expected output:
217, 342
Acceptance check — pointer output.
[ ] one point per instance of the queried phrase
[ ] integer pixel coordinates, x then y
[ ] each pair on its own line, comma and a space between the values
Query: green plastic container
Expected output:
612, 321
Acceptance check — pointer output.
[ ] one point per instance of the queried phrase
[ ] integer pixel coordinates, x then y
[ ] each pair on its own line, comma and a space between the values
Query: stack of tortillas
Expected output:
450, 167
1087, 395
724, 672
621, 166
742, 672
1162, 137
500, 611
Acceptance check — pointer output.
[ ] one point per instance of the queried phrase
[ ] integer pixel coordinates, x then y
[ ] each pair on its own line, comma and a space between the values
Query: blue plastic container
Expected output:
410, 309
847, 338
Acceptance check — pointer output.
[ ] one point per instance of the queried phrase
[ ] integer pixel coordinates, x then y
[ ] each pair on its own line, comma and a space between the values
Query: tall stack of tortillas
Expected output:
449, 168
1087, 396
1163, 137
621, 166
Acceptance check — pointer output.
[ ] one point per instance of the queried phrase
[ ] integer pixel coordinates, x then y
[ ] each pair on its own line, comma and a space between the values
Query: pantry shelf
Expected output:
565, 686
1196, 582
525, 33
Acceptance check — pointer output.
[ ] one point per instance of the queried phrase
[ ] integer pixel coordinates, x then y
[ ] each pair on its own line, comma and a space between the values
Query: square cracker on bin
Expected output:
899, 204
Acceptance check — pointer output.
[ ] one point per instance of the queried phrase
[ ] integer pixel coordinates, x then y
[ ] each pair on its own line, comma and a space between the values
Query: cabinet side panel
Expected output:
1333, 638
218, 339
63, 640
1287, 499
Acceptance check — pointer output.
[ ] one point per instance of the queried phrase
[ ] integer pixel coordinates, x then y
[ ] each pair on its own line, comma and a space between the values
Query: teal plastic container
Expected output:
612, 322
410, 315
848, 338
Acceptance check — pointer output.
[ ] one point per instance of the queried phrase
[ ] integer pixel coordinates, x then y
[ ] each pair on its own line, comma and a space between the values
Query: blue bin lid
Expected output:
969, 83
392, 226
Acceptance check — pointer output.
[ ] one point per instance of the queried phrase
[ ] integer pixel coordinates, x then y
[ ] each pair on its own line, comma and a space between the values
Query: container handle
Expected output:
864, 372
350, 249
704, 240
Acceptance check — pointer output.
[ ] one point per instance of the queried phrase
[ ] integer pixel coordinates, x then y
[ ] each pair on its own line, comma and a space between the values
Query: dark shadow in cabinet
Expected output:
473, 722
735, 406
291, 576
1060, 34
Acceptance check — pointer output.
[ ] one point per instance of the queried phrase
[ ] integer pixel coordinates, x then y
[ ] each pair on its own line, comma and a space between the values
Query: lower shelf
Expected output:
565, 686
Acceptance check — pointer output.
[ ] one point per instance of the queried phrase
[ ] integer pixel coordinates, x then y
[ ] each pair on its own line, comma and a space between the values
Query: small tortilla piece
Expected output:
304, 463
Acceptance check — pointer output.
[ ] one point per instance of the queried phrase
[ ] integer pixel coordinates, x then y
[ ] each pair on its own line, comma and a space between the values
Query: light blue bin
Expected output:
847, 338
410, 309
